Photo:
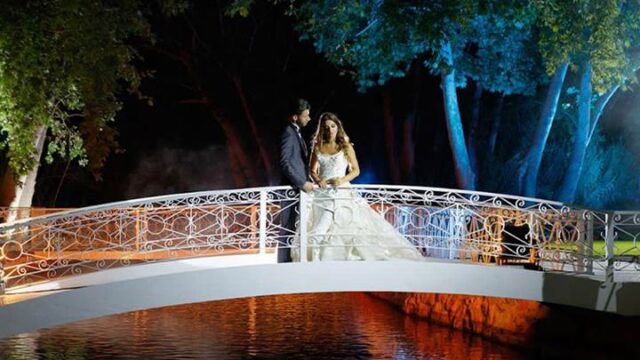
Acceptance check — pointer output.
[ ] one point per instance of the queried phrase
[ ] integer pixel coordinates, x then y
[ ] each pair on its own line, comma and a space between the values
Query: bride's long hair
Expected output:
321, 135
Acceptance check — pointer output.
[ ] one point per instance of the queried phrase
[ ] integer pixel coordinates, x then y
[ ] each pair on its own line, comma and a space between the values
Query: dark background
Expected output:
175, 146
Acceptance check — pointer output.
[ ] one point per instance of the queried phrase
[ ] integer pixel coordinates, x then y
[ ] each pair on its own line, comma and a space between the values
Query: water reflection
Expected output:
326, 326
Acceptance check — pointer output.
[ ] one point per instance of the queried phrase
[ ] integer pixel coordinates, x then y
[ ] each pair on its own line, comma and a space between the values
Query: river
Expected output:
321, 326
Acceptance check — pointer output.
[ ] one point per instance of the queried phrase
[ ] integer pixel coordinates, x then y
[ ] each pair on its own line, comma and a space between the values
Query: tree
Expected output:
62, 64
592, 37
376, 41
602, 100
527, 174
380, 40
596, 40
505, 62
609, 178
214, 62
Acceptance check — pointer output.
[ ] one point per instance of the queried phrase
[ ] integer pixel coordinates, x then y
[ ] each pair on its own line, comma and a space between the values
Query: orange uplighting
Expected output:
508, 321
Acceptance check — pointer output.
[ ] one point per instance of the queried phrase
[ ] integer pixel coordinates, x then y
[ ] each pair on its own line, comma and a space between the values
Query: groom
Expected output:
294, 165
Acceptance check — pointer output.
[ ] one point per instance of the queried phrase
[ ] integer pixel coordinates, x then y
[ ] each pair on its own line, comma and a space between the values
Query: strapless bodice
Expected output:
332, 166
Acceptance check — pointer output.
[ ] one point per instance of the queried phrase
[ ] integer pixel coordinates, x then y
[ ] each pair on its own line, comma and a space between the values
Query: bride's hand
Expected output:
322, 184
336, 181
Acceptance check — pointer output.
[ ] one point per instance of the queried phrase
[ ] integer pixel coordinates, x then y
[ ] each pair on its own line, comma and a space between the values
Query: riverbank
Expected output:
524, 324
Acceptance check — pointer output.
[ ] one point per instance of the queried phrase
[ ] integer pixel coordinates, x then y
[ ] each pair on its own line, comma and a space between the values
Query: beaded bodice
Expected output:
332, 166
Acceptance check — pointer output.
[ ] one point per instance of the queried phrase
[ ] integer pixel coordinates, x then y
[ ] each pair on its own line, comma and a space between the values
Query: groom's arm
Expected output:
287, 153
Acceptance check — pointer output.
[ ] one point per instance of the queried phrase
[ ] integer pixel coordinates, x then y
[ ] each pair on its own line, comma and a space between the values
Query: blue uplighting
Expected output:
367, 176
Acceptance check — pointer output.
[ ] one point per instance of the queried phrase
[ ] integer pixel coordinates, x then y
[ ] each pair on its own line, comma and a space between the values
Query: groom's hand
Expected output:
307, 187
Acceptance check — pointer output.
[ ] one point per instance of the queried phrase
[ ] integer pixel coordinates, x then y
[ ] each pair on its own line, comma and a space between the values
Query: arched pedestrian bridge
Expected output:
195, 247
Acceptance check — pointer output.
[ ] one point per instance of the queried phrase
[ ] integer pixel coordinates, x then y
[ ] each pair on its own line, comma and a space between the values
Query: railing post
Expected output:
609, 252
137, 215
2, 283
304, 200
457, 231
262, 230
533, 240
588, 217
192, 225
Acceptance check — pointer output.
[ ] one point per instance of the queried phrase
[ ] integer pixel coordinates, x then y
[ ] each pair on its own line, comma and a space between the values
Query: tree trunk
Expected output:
408, 146
389, 137
237, 153
473, 129
409, 128
599, 110
567, 191
465, 177
240, 162
531, 163
602, 102
262, 150
26, 185
238, 177
495, 125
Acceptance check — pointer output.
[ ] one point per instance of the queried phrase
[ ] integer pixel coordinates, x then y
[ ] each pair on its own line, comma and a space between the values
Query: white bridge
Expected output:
204, 246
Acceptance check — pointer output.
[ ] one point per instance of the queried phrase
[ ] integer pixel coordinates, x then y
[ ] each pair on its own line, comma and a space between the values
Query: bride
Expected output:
342, 226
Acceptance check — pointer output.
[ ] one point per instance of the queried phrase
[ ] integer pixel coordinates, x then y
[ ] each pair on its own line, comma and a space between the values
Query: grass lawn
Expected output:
621, 247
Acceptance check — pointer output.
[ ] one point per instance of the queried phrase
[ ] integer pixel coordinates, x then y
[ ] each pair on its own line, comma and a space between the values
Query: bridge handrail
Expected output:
164, 198
131, 204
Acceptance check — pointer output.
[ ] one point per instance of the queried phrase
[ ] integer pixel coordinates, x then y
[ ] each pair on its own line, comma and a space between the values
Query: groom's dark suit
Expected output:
294, 164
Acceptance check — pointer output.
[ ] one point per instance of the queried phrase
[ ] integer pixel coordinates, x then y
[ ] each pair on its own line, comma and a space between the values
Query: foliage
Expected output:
62, 64
375, 41
609, 176
594, 37
608, 179
602, 32
379, 40
506, 59
498, 174
505, 46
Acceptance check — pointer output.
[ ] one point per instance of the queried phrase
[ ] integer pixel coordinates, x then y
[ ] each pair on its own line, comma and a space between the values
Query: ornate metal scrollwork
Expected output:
445, 223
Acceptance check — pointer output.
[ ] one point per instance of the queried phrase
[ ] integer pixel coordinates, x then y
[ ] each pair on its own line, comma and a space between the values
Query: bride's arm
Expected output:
354, 168
313, 169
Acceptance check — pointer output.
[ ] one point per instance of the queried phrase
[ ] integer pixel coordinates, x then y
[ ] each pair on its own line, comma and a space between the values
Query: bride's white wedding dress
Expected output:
342, 226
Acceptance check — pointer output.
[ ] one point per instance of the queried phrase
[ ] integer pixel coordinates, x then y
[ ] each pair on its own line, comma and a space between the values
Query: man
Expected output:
294, 164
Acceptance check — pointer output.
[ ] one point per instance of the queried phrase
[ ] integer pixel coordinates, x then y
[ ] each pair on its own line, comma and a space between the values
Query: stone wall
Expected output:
506, 320
523, 323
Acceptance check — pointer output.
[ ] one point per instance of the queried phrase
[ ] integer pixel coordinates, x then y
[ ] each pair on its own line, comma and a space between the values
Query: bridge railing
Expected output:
440, 223
492, 228
10, 214
141, 231
621, 247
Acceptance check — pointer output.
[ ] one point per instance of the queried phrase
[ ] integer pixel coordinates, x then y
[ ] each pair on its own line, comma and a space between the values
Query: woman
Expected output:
342, 226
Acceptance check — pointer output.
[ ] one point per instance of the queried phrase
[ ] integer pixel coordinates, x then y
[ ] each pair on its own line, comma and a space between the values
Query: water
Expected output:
321, 326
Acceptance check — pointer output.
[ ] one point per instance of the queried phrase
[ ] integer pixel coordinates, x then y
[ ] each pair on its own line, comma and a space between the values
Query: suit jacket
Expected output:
294, 157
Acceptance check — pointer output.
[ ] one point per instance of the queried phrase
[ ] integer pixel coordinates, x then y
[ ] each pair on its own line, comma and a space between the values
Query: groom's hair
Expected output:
297, 106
